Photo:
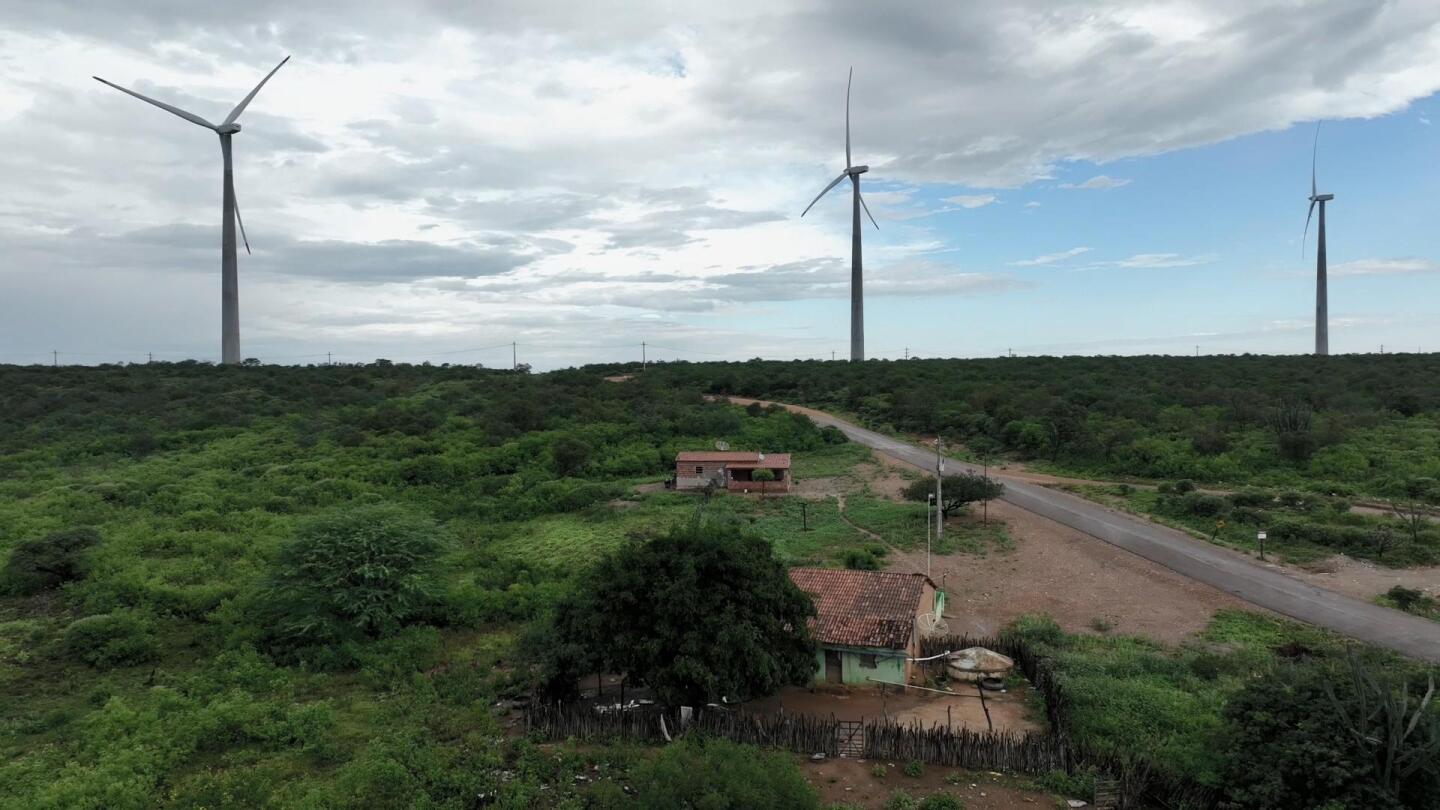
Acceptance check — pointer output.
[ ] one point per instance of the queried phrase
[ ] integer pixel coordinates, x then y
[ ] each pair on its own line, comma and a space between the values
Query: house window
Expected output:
699, 470
867, 661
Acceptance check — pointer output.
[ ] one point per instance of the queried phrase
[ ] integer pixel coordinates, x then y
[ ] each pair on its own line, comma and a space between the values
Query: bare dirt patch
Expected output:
1365, 580
961, 710
853, 782
1071, 576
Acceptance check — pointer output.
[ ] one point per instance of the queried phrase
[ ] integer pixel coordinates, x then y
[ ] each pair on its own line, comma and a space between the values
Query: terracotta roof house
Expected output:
737, 471
868, 623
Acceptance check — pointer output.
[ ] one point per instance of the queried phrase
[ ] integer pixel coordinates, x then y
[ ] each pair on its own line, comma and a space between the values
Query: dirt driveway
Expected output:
962, 710
1057, 570
853, 783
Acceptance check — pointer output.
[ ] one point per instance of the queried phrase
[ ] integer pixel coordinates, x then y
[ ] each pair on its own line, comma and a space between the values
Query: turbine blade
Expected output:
847, 117
241, 223
1306, 235
188, 116
1314, 150
833, 183
867, 212
239, 108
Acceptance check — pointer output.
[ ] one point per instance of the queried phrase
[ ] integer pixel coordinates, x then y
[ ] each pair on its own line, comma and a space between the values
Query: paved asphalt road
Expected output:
1196, 559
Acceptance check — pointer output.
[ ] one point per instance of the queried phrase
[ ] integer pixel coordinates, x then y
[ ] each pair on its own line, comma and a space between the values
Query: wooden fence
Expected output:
1137, 781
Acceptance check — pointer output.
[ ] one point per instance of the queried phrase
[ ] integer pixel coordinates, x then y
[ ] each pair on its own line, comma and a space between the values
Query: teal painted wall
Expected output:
889, 666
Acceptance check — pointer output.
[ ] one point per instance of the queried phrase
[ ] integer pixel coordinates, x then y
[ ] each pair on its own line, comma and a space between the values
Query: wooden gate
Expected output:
850, 738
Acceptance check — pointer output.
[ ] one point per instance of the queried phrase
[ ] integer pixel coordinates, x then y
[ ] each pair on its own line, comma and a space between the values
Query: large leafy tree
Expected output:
702, 612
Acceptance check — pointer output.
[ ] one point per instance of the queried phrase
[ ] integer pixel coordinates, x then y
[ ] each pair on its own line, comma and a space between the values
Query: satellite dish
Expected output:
722, 445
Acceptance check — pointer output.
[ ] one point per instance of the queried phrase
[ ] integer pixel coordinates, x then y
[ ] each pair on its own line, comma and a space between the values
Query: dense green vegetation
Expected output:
312, 587
1300, 526
1254, 706
1348, 424
1298, 439
303, 586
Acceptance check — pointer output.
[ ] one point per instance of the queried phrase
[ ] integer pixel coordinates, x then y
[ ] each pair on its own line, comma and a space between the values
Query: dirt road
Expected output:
1197, 560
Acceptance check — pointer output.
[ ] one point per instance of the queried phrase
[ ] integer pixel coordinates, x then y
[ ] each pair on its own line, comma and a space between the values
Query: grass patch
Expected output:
831, 461
1131, 694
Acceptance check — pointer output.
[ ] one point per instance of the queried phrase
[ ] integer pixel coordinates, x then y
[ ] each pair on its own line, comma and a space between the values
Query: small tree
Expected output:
49, 561
958, 491
355, 572
1383, 538
762, 474
699, 613
1414, 498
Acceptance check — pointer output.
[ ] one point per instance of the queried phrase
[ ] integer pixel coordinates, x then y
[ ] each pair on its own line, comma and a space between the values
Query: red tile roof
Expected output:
741, 460
861, 608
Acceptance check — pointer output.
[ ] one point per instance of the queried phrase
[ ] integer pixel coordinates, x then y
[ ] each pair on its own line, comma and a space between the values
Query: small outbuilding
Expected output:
869, 623
736, 471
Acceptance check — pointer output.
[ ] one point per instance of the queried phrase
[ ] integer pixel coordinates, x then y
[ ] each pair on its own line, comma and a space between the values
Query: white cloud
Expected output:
1051, 258
972, 200
1384, 267
1099, 181
1156, 260
1032, 204
526, 142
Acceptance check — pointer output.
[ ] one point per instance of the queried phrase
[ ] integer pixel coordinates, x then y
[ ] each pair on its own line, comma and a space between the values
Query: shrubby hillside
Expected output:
302, 586
1356, 423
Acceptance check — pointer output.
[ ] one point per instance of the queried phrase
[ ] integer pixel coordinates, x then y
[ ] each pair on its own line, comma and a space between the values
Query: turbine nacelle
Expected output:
1322, 197
857, 170
228, 129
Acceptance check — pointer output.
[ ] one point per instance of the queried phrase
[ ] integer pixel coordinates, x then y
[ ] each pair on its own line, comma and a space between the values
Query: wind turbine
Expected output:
229, 216
1322, 305
857, 295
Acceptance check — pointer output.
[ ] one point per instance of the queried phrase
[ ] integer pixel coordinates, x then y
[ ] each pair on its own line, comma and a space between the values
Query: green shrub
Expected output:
1253, 498
49, 561
859, 559
914, 769
1290, 746
721, 774
106, 640
942, 801
878, 771
354, 573
1407, 598
900, 800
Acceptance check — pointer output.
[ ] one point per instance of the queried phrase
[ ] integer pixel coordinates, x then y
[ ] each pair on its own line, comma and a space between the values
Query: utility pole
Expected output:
907, 352
644, 361
54, 358
514, 358
832, 355
929, 499
1197, 351
939, 496
150, 357
329, 361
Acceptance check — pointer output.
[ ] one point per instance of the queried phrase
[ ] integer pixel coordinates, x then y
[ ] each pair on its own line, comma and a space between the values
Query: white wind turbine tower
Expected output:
857, 295
1322, 304
229, 216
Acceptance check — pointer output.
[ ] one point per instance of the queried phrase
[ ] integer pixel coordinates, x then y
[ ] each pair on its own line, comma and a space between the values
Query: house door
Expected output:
832, 667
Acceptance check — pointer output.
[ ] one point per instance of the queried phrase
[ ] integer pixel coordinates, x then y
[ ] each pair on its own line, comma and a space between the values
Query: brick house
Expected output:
868, 624
732, 470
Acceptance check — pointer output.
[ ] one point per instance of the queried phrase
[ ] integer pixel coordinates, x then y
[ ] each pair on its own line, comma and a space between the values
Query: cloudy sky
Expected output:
434, 181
